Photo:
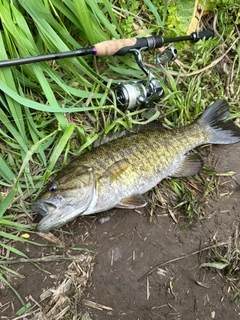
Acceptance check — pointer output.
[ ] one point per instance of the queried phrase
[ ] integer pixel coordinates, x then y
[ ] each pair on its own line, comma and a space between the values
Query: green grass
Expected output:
55, 110
225, 260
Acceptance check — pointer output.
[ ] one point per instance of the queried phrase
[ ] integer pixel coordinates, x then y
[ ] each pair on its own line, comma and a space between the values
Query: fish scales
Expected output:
118, 172
149, 156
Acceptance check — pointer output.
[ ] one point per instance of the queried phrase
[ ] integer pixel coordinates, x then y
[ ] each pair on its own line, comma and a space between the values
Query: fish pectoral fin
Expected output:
133, 202
192, 164
116, 169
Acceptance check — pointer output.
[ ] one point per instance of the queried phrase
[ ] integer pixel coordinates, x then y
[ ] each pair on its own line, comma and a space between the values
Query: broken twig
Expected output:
219, 244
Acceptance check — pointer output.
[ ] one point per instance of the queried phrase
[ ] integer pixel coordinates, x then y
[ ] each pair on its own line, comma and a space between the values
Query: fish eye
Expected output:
53, 187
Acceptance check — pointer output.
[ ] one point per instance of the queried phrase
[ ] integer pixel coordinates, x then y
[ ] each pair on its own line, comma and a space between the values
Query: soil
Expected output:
143, 267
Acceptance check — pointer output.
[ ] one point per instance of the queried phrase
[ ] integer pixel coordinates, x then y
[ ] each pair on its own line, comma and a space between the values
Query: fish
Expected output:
117, 172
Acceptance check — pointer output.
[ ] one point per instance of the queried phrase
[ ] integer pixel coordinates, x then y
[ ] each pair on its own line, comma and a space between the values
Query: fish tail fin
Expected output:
219, 130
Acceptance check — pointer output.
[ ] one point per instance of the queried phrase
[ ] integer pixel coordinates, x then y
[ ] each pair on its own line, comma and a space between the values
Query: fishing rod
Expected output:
132, 94
110, 48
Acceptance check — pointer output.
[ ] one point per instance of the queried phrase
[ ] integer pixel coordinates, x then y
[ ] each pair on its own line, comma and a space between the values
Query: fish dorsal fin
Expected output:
115, 170
192, 164
133, 202
155, 125
105, 138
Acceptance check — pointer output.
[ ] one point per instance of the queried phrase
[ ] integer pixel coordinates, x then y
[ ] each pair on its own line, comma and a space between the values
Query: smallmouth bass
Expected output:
118, 172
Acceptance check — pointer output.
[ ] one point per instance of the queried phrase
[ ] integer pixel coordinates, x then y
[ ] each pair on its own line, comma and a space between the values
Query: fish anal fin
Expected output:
192, 164
133, 202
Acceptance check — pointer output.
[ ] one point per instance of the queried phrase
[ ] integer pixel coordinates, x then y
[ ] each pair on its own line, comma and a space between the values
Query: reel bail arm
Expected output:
139, 93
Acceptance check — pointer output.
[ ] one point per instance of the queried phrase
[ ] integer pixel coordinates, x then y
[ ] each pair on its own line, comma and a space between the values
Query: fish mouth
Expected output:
43, 207
58, 210
55, 220
55, 211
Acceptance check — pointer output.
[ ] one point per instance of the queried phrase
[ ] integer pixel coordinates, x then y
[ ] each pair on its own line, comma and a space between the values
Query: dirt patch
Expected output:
129, 247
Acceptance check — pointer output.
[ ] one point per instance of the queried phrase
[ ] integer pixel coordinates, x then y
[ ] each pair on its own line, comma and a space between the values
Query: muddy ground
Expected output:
113, 283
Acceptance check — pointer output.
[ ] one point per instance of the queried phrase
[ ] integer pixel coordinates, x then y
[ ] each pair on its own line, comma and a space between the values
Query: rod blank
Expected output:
110, 48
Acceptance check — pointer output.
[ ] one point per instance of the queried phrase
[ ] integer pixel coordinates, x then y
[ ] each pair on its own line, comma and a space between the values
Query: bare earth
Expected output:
131, 245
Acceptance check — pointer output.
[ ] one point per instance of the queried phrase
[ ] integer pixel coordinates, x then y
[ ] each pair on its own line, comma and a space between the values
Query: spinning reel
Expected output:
130, 95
